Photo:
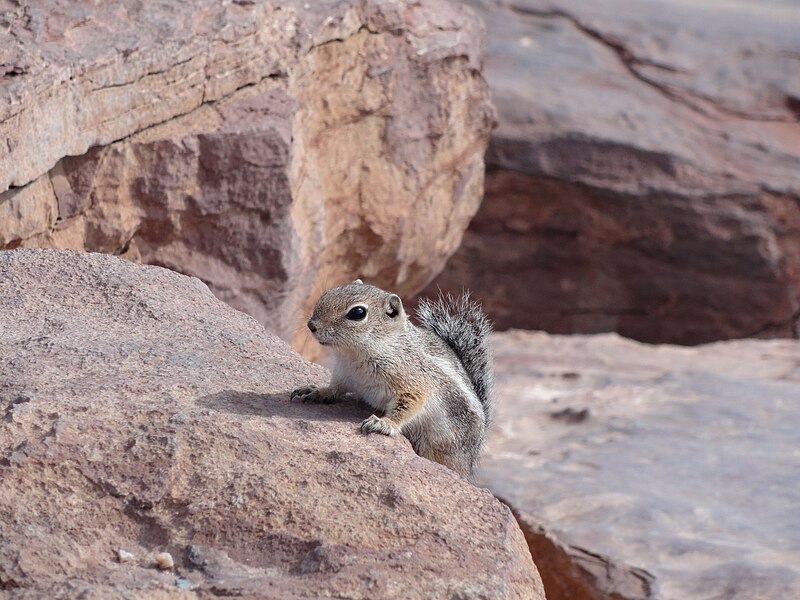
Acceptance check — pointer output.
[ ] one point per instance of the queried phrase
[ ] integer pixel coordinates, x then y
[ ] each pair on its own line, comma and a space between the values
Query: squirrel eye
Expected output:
356, 313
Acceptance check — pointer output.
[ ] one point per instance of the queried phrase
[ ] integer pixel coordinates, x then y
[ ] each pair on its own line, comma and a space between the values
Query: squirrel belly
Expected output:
432, 384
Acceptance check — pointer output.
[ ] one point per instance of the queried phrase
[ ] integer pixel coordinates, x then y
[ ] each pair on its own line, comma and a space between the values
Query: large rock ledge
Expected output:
139, 413
270, 149
651, 472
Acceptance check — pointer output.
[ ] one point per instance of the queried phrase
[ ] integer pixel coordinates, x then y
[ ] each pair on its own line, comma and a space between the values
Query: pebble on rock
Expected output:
164, 561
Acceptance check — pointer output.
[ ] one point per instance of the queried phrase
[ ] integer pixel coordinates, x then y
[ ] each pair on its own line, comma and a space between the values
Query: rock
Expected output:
139, 412
164, 561
269, 149
679, 483
640, 180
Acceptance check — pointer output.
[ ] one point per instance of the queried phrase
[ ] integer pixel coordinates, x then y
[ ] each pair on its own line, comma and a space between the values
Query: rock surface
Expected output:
140, 415
645, 174
271, 149
645, 472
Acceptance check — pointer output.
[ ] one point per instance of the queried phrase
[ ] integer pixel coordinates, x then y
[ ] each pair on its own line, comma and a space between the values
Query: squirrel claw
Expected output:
302, 391
312, 394
378, 425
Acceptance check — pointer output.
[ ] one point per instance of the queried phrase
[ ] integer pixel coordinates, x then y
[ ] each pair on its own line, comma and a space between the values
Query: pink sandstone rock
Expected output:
645, 174
651, 472
141, 415
269, 149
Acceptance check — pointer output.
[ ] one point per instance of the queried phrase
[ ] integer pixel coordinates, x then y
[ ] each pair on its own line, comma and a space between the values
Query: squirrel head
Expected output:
356, 315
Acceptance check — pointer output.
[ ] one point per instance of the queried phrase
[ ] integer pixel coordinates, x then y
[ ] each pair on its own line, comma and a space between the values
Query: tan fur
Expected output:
408, 403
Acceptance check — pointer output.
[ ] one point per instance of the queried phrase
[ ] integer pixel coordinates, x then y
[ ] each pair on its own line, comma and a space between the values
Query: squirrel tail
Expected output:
462, 324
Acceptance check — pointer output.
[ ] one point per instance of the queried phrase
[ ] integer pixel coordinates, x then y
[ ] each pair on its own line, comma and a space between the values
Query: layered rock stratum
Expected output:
271, 149
645, 174
651, 472
141, 415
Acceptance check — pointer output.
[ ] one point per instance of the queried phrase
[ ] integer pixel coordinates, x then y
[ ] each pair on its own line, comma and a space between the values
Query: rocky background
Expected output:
645, 174
645, 472
642, 176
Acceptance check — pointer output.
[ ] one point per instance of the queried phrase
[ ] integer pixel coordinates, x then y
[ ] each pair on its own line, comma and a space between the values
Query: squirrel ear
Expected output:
394, 306
359, 282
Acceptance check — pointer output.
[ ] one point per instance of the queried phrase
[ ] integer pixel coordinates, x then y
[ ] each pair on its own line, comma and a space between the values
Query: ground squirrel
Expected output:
433, 383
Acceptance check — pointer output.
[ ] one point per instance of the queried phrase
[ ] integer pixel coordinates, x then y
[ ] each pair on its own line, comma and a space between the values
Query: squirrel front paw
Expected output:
378, 425
313, 394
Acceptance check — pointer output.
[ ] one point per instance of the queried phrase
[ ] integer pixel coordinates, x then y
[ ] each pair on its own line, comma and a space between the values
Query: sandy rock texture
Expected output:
651, 472
271, 149
144, 422
645, 174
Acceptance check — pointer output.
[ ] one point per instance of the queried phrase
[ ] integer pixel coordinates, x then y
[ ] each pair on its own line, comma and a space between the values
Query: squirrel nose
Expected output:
312, 326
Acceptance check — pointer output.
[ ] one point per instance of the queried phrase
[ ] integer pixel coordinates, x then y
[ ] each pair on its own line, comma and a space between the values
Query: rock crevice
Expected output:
703, 105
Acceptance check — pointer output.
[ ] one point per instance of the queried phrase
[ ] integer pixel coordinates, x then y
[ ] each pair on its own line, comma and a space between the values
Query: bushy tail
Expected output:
463, 325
